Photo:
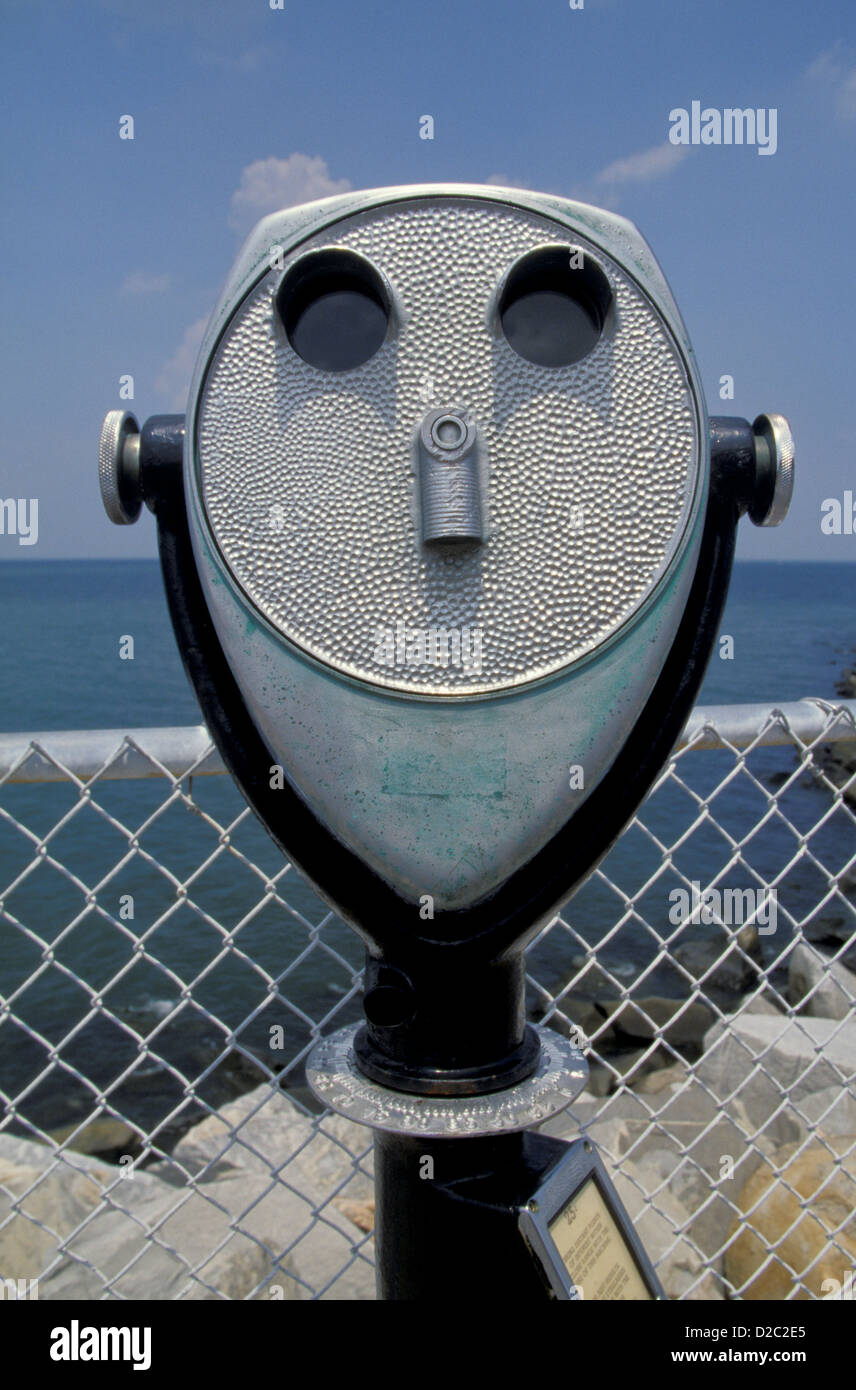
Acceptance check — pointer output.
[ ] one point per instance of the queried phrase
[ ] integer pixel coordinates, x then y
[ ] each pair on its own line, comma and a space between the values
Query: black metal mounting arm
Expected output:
422, 1032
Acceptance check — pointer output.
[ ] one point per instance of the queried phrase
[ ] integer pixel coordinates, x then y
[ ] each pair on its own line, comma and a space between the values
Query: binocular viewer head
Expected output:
439, 418
446, 534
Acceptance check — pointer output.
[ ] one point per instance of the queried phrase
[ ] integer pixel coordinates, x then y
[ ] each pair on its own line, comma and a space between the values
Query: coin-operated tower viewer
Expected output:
446, 518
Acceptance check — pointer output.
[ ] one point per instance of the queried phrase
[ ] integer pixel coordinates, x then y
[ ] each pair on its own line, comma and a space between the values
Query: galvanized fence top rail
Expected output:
163, 975
120, 754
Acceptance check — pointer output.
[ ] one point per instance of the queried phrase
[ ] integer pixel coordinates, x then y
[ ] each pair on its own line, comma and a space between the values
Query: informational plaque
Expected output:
593, 1250
581, 1236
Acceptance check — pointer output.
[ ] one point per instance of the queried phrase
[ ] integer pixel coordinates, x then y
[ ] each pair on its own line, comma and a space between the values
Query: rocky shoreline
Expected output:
699, 1107
246, 1180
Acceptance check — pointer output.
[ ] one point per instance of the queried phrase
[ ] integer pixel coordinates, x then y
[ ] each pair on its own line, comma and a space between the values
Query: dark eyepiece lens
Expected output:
334, 310
553, 313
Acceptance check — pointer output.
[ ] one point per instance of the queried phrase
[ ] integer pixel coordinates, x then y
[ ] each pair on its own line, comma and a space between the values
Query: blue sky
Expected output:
113, 251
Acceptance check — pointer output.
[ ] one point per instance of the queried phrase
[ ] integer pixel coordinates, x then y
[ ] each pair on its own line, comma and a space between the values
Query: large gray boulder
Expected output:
724, 960
676, 1021
819, 985
263, 1131
257, 1201
268, 1161
767, 1064
86, 1231
47, 1207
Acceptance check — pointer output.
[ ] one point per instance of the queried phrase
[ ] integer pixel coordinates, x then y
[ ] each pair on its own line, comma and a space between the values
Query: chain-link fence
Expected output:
163, 976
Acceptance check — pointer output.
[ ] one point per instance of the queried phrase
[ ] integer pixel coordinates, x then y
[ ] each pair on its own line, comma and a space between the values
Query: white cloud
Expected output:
643, 167
504, 181
836, 70
173, 379
826, 67
271, 184
144, 282
845, 97
604, 189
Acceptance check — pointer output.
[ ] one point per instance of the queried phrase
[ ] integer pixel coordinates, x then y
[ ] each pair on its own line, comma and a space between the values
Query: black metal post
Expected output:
446, 1217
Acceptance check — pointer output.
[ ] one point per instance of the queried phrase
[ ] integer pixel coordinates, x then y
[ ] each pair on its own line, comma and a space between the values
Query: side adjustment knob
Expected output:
119, 467
774, 465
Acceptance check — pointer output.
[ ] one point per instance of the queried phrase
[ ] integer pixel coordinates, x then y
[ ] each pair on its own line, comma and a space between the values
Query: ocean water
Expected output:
794, 631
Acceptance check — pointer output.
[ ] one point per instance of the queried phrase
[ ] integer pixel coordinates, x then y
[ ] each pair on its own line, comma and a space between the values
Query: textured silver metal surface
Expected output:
117, 466
777, 432
332, 1073
309, 479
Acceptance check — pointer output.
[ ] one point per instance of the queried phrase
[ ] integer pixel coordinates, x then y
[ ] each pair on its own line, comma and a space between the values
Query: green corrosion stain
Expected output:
466, 768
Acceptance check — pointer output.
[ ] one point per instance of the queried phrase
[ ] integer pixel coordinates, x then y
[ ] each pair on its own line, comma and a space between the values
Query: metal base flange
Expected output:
333, 1075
